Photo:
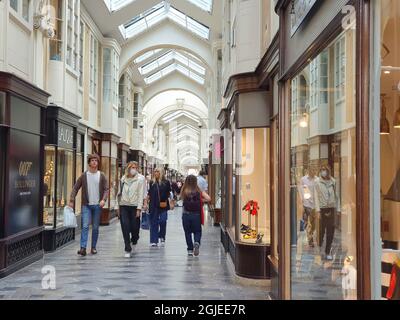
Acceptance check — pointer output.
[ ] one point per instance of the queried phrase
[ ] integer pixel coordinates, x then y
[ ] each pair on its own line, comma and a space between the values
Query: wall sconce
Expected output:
385, 127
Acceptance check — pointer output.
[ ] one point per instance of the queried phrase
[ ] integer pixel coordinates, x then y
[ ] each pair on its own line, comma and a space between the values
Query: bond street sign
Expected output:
301, 9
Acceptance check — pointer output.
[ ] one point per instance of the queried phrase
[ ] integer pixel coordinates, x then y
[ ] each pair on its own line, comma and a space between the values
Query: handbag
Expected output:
69, 218
145, 221
163, 204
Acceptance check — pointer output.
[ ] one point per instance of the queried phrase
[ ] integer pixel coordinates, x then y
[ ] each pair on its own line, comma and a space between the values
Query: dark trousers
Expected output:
128, 221
191, 225
158, 225
135, 231
327, 221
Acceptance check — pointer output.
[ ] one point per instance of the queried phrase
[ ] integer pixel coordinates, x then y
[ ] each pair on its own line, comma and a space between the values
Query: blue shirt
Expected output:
202, 183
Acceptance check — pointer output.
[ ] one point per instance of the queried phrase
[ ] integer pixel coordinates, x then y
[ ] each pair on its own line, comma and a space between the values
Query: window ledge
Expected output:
26, 26
72, 72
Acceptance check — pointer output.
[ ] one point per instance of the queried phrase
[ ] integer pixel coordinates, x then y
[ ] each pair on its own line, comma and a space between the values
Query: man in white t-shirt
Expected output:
94, 196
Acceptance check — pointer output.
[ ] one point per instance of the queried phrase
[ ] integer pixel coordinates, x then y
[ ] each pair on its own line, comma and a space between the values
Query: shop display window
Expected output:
78, 173
105, 168
56, 43
390, 148
323, 175
252, 177
65, 182
113, 184
49, 187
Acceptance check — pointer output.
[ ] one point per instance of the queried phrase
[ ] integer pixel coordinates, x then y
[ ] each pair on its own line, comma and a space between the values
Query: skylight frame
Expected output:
158, 13
205, 5
115, 5
174, 67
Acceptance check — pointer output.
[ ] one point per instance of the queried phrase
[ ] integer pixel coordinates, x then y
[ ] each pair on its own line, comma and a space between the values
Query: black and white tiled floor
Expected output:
152, 273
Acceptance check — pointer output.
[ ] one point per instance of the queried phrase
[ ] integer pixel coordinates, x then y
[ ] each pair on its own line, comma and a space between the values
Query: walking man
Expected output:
94, 196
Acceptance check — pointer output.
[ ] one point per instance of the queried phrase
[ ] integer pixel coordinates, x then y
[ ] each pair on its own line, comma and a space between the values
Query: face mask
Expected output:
133, 172
324, 174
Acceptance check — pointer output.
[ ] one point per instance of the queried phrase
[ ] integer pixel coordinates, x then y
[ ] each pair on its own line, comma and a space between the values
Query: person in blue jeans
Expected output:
193, 198
94, 196
159, 194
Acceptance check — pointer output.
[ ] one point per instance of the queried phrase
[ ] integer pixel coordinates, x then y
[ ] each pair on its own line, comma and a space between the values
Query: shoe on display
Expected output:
259, 238
82, 252
127, 255
196, 251
190, 253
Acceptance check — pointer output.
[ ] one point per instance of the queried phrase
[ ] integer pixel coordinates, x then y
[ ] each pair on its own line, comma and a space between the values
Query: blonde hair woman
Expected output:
130, 202
159, 193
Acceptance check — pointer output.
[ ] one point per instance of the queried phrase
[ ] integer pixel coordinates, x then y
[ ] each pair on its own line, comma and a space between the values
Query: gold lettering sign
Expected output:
24, 168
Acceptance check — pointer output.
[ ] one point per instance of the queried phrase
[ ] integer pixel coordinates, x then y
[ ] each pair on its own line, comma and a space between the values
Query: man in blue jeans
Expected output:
94, 196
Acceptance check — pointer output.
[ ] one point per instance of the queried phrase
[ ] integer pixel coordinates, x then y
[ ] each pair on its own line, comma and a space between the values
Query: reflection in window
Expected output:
49, 187
65, 180
323, 181
56, 44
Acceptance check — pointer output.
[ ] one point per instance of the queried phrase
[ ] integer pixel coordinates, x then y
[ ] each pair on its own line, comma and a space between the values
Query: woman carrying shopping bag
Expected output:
159, 194
130, 202
193, 215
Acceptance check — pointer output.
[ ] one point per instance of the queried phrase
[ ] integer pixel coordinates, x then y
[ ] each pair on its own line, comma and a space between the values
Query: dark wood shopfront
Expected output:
315, 30
22, 135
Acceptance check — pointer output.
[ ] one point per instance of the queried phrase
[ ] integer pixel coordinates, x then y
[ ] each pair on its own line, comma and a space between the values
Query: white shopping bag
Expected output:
69, 218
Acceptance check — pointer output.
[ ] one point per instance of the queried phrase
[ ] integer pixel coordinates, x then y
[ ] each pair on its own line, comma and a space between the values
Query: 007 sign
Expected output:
24, 168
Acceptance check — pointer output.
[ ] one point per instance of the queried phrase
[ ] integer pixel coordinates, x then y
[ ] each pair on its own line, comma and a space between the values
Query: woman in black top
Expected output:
159, 193
192, 198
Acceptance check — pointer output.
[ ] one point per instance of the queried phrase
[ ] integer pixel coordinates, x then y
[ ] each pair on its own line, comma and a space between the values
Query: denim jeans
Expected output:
135, 230
90, 214
128, 218
158, 225
191, 225
327, 222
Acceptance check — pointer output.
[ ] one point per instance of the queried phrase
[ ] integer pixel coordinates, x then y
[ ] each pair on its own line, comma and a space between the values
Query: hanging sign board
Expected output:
301, 9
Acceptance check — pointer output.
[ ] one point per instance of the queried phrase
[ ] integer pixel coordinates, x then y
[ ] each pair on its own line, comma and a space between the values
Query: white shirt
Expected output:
307, 191
93, 183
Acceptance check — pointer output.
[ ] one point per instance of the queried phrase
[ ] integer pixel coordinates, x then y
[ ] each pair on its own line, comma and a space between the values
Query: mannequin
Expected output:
349, 279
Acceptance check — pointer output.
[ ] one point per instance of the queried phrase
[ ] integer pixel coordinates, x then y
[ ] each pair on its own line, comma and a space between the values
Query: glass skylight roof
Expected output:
174, 67
205, 5
168, 57
179, 114
146, 55
158, 13
115, 5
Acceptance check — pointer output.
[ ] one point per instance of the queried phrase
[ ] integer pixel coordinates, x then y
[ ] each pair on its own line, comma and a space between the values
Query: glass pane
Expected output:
49, 187
205, 5
78, 173
14, 4
25, 9
105, 168
390, 146
323, 185
253, 178
65, 182
113, 184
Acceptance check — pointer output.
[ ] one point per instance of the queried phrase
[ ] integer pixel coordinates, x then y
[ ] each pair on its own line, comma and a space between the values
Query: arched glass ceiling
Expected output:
168, 57
115, 5
158, 13
146, 56
174, 67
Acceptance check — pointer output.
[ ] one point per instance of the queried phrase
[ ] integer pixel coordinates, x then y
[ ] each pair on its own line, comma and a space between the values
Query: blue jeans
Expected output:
191, 225
158, 225
90, 214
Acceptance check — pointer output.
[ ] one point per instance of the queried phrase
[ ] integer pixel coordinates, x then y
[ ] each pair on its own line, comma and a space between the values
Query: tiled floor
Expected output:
153, 273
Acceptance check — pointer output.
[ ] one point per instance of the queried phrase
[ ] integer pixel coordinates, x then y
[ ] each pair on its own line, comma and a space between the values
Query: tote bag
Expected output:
69, 218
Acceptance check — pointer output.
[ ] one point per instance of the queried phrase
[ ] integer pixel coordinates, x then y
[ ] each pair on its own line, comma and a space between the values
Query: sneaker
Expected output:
93, 251
153, 245
162, 243
127, 255
196, 251
329, 257
82, 252
190, 253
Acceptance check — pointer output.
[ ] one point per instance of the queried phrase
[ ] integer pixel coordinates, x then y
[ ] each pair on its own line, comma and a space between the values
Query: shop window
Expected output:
323, 177
78, 173
253, 179
22, 8
65, 182
56, 43
81, 42
49, 187
105, 168
94, 48
390, 148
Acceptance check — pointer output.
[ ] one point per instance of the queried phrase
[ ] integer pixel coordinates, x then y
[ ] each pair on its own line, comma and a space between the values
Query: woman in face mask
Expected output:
130, 202
327, 203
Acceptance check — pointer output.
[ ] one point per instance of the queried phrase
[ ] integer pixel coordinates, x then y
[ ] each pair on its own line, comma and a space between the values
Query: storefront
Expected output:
214, 178
22, 137
61, 166
246, 173
123, 151
323, 239
80, 168
109, 166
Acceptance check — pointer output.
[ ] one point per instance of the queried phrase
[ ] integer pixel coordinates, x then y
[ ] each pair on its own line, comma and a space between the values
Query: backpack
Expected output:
192, 202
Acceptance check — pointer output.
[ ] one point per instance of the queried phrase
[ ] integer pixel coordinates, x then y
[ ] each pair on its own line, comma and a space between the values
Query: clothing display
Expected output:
394, 288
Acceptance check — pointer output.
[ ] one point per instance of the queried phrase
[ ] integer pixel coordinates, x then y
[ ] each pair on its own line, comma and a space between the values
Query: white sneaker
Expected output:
190, 253
162, 243
127, 255
329, 257
153, 245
